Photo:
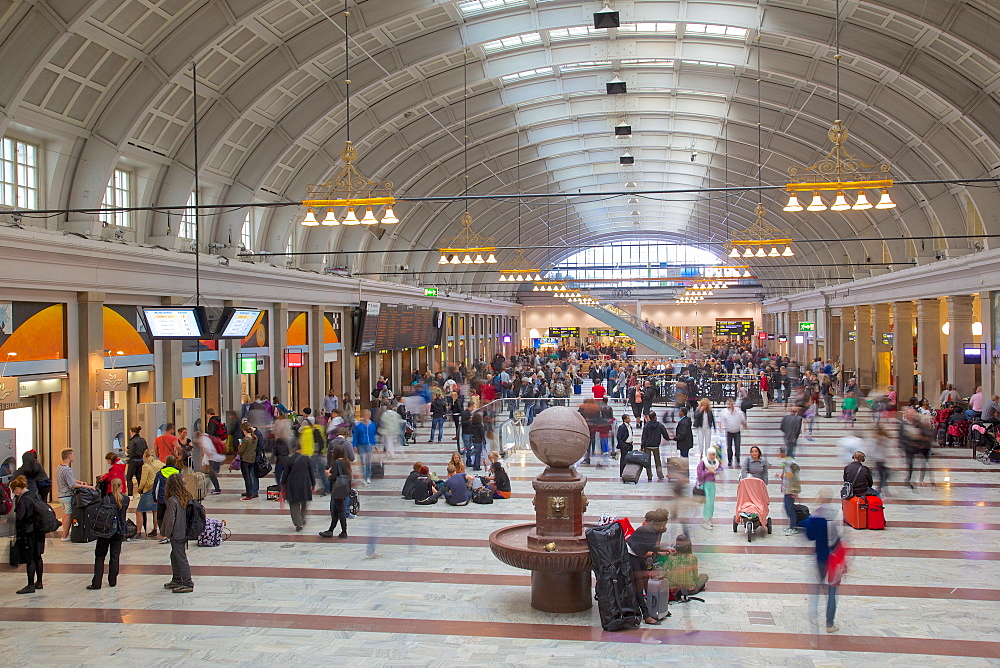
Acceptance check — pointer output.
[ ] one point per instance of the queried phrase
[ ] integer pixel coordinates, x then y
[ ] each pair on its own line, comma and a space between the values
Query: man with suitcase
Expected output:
652, 434
643, 546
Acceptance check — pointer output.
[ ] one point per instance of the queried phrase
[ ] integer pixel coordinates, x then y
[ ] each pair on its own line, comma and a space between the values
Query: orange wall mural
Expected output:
41, 336
121, 335
298, 334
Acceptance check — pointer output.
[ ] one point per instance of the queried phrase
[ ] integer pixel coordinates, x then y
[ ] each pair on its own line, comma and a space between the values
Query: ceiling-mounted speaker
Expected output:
623, 130
617, 86
607, 18
627, 159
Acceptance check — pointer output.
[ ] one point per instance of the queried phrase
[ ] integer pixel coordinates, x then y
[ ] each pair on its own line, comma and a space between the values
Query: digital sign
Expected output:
237, 323
782, 338
294, 358
807, 326
887, 338
973, 353
733, 327
564, 331
596, 331
177, 322
397, 327
851, 336
248, 365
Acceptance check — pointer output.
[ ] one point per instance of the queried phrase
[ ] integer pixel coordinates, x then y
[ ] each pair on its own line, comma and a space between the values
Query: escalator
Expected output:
651, 337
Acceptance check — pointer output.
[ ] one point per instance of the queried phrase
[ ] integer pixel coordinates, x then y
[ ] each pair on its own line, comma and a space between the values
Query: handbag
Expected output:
342, 485
836, 564
14, 556
237, 464
847, 491
698, 490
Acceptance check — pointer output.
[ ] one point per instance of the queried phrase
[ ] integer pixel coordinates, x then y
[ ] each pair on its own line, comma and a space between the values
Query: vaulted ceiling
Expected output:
108, 82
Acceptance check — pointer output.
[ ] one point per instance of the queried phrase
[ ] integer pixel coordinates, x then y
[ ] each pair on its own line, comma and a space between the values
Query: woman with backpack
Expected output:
29, 544
113, 542
340, 491
175, 528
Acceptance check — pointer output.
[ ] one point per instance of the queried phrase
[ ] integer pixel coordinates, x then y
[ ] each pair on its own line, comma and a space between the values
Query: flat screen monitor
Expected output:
236, 323
176, 322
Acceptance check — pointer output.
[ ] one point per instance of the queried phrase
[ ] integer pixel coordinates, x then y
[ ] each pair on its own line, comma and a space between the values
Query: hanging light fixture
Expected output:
455, 260
774, 252
480, 259
310, 219
885, 202
467, 259
838, 171
788, 252
793, 204
735, 252
349, 187
503, 279
443, 260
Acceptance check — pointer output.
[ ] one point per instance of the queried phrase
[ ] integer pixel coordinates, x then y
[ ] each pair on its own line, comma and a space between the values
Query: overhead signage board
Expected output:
807, 326
176, 322
237, 323
724, 327
430, 292
564, 331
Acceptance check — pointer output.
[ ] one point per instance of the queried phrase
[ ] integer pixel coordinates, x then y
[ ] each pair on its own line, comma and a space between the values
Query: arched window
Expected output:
636, 259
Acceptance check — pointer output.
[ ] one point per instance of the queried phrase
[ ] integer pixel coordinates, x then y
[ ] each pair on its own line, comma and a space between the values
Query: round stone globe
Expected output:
559, 436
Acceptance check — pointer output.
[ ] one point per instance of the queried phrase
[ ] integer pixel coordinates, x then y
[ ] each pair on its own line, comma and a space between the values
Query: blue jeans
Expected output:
213, 474
467, 448
473, 453
319, 470
790, 510
365, 455
437, 424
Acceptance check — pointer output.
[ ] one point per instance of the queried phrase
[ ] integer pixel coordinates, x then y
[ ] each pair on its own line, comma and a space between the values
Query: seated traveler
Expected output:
423, 488
411, 480
860, 476
681, 569
455, 489
498, 479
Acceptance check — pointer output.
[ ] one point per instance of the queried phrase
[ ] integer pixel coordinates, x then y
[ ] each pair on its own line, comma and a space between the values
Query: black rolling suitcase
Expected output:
85, 502
636, 461
614, 590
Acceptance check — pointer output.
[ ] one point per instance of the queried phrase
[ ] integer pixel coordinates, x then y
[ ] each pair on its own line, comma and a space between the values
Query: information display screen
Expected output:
177, 322
237, 323
564, 331
594, 331
733, 327
397, 327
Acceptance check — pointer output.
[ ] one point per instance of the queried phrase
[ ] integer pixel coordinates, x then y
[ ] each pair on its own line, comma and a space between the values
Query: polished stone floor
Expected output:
922, 592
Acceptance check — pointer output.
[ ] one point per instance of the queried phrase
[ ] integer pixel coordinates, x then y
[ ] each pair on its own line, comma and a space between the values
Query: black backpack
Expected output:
45, 518
195, 519
104, 524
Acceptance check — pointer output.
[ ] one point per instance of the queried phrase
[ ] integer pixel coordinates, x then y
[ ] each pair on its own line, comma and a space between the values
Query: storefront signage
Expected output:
886, 338
9, 395
770, 337
852, 336
764, 335
807, 326
294, 358
112, 380
782, 338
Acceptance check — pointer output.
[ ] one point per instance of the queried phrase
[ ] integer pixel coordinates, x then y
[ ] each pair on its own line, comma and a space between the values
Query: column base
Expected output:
560, 592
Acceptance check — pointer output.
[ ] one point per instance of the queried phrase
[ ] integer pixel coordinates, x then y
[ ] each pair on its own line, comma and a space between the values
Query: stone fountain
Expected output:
554, 547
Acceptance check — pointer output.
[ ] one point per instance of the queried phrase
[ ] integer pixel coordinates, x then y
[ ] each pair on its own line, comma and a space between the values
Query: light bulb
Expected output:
455, 260
774, 252
389, 218
748, 252
310, 219
350, 218
793, 204
885, 202
369, 217
735, 252
492, 259
788, 252
977, 328
467, 259
443, 260
862, 202
816, 204
479, 259
760, 253
840, 202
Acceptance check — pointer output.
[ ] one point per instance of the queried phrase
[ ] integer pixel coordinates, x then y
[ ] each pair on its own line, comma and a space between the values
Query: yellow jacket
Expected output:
149, 470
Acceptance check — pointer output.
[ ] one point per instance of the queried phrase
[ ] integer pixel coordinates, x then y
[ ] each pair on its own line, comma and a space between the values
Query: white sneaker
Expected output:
64, 539
832, 629
707, 525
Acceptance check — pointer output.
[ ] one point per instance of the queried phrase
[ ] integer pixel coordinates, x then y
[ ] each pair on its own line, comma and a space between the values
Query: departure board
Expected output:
733, 327
564, 331
596, 331
397, 327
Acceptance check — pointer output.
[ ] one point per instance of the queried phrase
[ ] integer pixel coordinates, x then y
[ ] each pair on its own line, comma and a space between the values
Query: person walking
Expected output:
733, 421
247, 452
625, 440
791, 428
110, 547
708, 468
364, 442
29, 541
683, 433
790, 488
175, 529
135, 449
821, 528
340, 491
704, 423
653, 433
298, 481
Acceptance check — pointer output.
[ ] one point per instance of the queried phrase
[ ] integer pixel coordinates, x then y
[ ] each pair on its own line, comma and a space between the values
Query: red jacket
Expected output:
117, 471
487, 392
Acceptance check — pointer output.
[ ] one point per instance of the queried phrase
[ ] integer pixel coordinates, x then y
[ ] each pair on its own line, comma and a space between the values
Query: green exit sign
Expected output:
430, 292
248, 365
807, 326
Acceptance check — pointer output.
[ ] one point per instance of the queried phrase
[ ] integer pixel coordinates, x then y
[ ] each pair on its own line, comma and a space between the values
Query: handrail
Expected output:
652, 330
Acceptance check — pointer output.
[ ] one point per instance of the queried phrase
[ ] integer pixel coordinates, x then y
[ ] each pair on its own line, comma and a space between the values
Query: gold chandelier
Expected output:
352, 189
756, 239
349, 188
470, 244
520, 270
840, 172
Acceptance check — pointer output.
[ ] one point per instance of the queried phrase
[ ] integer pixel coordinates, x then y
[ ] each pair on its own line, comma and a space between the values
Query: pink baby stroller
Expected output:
751, 506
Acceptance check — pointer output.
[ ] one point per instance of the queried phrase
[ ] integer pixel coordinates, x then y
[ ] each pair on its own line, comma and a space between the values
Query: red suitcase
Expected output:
875, 513
855, 512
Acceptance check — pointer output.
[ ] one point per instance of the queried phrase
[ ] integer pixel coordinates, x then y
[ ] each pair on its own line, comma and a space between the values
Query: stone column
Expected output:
90, 358
833, 344
848, 362
350, 365
883, 349
229, 373
989, 339
961, 375
317, 357
929, 348
863, 348
902, 351
279, 341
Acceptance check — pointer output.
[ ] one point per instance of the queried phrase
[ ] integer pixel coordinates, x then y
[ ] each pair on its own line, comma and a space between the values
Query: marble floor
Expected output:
922, 592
